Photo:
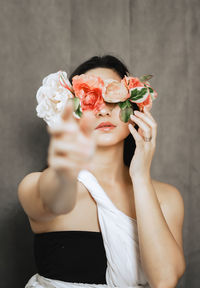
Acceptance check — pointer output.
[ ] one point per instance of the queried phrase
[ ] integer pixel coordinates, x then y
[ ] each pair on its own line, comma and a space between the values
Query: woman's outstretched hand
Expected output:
141, 162
72, 144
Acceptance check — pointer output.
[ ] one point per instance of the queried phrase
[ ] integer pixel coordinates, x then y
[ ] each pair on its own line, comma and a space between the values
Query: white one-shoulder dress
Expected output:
120, 238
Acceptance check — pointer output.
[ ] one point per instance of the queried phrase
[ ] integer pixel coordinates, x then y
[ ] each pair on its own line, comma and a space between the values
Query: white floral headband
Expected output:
90, 92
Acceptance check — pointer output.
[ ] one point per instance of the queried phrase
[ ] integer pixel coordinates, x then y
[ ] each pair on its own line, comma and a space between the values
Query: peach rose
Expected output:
115, 91
88, 89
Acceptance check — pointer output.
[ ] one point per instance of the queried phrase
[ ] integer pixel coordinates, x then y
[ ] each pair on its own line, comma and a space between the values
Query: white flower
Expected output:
52, 97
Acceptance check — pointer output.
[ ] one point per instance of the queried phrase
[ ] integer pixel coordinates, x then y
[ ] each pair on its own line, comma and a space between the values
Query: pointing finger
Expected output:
67, 113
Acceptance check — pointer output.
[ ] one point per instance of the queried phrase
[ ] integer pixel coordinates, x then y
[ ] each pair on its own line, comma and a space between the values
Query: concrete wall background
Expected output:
39, 37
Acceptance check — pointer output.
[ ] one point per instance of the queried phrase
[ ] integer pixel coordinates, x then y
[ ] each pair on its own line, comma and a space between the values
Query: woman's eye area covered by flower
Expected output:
115, 91
99, 86
111, 90
88, 89
96, 92
91, 91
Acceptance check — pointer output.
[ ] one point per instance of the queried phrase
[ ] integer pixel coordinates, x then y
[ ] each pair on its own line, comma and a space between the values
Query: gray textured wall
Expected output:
39, 37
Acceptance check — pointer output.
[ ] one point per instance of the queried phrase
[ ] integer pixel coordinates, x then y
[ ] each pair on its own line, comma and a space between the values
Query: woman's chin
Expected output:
106, 140
110, 137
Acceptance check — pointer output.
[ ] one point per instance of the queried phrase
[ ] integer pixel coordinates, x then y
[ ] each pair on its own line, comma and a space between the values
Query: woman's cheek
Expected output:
123, 131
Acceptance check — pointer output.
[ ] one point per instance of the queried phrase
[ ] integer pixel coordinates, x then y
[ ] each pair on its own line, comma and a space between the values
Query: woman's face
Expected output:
109, 113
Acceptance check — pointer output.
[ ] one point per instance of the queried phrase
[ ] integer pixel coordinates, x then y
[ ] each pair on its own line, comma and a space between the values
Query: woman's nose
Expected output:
105, 110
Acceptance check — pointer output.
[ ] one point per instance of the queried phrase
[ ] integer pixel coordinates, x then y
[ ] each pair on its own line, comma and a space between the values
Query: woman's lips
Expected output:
106, 128
105, 125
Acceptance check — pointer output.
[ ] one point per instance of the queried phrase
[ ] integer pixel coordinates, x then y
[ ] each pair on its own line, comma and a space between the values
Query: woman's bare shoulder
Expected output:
166, 191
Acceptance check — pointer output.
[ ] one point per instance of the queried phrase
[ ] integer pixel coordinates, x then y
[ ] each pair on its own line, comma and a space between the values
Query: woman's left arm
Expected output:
159, 225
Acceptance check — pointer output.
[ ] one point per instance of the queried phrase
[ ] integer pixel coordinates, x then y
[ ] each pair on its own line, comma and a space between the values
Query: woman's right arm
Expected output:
57, 190
45, 195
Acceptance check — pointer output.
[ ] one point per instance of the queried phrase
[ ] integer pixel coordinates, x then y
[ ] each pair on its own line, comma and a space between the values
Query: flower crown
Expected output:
89, 92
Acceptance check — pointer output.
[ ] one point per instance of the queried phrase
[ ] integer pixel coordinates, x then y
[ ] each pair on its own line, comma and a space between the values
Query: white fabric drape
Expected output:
120, 238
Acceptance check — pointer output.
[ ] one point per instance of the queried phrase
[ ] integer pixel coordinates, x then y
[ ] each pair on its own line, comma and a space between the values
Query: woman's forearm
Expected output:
160, 254
57, 191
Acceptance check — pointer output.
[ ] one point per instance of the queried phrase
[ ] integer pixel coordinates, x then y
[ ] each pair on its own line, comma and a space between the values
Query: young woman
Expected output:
98, 217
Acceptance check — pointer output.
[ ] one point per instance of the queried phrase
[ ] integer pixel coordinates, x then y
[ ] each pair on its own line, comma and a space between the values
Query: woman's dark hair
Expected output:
109, 61
106, 61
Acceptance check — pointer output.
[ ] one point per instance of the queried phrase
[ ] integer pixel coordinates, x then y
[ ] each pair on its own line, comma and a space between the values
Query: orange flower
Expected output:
88, 89
132, 82
135, 84
151, 96
147, 103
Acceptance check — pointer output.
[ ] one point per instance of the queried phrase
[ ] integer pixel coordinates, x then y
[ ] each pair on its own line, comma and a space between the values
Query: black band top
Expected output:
71, 256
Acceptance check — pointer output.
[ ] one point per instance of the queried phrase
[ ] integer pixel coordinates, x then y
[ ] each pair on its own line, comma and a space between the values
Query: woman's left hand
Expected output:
141, 162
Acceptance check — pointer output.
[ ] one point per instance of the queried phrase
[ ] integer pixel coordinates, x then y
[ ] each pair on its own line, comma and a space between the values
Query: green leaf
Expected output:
151, 90
120, 104
128, 103
125, 114
143, 91
137, 92
124, 104
137, 98
145, 77
134, 92
78, 111
139, 95
76, 102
